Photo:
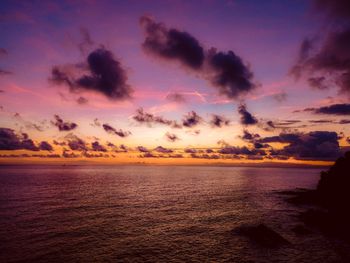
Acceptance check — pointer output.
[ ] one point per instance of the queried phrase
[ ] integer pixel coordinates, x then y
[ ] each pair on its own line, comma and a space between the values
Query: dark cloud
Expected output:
59, 143
348, 140
161, 149
171, 137
105, 75
317, 83
334, 109
62, 125
246, 117
320, 121
205, 156
344, 121
97, 147
190, 150
325, 60
147, 118
111, 130
171, 43
45, 146
148, 155
142, 149
313, 145
229, 74
176, 97
123, 148
76, 144
191, 119
68, 154
9, 140
219, 121
236, 150
225, 71
249, 137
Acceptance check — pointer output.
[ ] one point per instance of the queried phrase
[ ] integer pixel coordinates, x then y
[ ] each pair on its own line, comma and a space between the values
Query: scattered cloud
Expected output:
191, 119
171, 137
224, 70
246, 117
111, 130
63, 125
219, 121
103, 74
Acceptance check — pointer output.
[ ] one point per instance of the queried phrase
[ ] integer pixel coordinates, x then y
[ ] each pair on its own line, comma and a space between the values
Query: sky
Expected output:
181, 82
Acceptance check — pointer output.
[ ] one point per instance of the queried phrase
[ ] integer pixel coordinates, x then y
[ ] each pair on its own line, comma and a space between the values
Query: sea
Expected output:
154, 214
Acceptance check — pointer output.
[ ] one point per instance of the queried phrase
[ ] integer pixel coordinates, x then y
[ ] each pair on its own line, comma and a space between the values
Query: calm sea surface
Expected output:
151, 214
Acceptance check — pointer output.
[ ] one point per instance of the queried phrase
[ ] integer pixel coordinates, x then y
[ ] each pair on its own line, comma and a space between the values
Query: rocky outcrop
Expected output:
262, 235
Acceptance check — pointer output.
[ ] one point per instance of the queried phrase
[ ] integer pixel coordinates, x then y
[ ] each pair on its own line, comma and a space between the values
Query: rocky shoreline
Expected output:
329, 203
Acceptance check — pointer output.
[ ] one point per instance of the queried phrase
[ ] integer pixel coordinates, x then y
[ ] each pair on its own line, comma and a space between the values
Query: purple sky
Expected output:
265, 35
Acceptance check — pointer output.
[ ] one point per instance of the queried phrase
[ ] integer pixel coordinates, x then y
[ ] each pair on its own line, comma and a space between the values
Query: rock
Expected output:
334, 187
262, 235
301, 230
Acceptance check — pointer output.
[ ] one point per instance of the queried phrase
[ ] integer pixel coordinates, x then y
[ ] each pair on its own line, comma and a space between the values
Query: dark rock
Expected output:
331, 198
334, 187
301, 230
262, 235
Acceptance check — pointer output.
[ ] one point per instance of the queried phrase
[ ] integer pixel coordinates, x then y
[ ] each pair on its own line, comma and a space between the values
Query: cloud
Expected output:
97, 147
171, 43
176, 97
142, 149
104, 74
59, 143
191, 119
45, 146
9, 140
30, 125
344, 121
190, 150
246, 117
229, 74
325, 60
76, 144
244, 150
171, 137
82, 100
224, 71
334, 109
249, 137
109, 129
143, 117
68, 154
319, 145
280, 97
219, 121
62, 125
205, 156
86, 41
3, 52
161, 149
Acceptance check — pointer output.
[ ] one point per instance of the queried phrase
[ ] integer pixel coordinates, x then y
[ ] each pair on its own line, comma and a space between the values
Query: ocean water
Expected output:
152, 214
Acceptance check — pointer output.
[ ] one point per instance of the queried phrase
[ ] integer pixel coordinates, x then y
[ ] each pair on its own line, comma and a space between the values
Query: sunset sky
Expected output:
174, 81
